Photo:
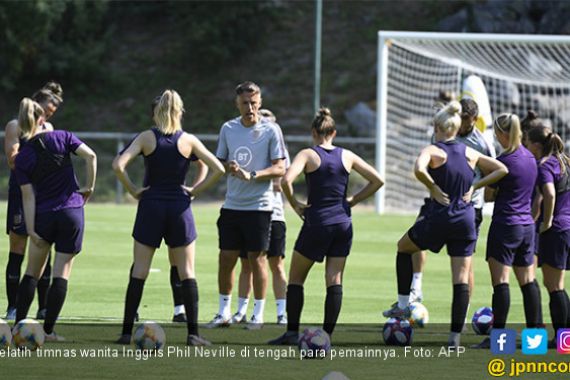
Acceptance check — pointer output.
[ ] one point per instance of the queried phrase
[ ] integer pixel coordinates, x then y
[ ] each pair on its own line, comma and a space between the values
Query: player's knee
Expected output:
257, 260
334, 279
276, 265
227, 261
404, 244
18, 243
138, 272
245, 267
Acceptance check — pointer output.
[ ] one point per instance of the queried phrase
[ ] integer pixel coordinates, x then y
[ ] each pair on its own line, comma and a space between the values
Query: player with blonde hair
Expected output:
446, 168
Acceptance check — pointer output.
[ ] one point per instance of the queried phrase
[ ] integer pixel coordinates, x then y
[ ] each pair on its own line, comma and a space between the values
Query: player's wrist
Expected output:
252, 175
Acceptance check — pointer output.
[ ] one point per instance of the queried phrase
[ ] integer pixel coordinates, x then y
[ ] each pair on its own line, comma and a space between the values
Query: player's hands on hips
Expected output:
299, 208
189, 190
36, 238
544, 227
350, 201
468, 195
439, 196
137, 193
85, 193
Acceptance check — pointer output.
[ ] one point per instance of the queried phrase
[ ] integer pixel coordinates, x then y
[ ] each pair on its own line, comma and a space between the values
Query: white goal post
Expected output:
520, 72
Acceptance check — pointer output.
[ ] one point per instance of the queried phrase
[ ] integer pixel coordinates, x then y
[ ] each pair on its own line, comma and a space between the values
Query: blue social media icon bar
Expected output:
534, 341
503, 341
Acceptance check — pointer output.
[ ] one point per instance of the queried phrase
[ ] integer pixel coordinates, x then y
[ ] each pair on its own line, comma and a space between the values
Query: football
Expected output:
419, 316
149, 336
5, 335
397, 332
314, 343
28, 334
482, 321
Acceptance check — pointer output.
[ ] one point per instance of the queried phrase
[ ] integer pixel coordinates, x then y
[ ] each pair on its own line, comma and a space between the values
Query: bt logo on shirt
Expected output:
243, 156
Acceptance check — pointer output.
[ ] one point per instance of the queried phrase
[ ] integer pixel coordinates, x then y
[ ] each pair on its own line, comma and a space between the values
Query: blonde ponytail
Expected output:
28, 117
510, 123
168, 112
448, 118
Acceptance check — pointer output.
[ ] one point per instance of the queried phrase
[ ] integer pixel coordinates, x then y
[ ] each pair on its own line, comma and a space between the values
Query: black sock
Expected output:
25, 296
175, 284
459, 307
43, 285
567, 309
189, 290
132, 301
501, 305
540, 319
295, 300
55, 300
404, 272
531, 295
558, 310
13, 270
333, 303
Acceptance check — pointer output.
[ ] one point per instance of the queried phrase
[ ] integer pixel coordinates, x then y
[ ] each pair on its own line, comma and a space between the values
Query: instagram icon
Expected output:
563, 341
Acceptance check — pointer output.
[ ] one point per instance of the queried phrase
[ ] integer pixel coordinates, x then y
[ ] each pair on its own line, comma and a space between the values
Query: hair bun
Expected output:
454, 107
54, 87
531, 115
323, 112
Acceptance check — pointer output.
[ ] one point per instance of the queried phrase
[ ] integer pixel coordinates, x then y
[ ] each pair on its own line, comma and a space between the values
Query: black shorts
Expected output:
161, 219
276, 241
15, 215
244, 230
511, 245
318, 242
64, 228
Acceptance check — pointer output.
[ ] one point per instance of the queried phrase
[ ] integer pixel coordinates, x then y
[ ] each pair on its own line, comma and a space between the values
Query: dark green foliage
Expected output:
70, 39
218, 31
43, 39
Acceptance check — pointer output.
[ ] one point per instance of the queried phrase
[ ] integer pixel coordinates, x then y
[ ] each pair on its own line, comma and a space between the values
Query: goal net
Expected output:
520, 72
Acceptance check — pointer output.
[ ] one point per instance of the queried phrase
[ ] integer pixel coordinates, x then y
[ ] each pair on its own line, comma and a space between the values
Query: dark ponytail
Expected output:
530, 121
552, 144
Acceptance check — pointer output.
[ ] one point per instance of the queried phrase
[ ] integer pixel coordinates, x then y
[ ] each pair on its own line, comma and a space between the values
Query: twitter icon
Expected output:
534, 341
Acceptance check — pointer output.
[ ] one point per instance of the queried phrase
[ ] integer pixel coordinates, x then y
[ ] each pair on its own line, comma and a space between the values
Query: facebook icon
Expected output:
503, 341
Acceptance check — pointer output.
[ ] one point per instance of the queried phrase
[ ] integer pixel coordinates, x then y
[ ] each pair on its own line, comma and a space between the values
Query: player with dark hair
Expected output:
53, 207
327, 225
554, 246
164, 210
253, 151
15, 225
275, 254
510, 242
446, 168
530, 121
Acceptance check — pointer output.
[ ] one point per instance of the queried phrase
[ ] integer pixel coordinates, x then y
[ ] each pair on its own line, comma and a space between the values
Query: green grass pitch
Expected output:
97, 287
